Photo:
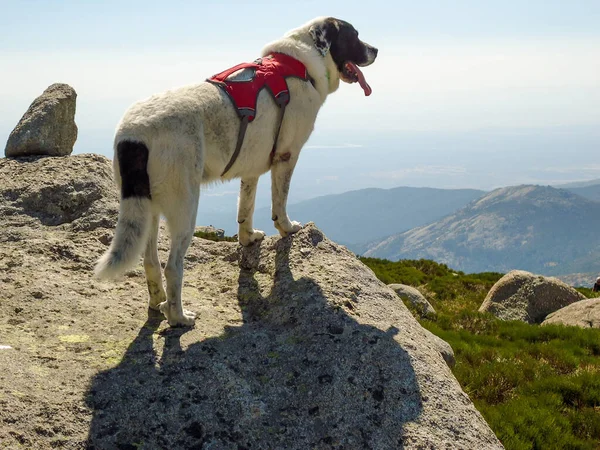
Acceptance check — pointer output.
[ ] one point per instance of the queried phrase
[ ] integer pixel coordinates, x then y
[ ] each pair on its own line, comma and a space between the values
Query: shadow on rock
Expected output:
298, 373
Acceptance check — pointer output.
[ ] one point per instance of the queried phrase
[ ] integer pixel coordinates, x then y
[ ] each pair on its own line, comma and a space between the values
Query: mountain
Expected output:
591, 192
536, 228
578, 184
589, 189
361, 216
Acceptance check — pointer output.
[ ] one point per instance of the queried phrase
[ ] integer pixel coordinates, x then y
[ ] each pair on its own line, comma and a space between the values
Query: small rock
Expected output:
218, 232
48, 127
412, 295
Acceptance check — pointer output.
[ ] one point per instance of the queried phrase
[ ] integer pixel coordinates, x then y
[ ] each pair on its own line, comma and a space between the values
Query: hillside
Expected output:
535, 228
364, 215
537, 386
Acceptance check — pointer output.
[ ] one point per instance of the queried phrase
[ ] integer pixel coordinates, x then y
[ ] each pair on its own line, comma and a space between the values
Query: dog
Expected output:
169, 145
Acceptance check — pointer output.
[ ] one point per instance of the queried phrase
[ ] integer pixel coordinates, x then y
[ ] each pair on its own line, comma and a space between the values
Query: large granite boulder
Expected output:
415, 298
521, 295
48, 127
297, 345
584, 314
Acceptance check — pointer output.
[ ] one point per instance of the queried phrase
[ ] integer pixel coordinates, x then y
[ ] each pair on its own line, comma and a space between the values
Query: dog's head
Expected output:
340, 40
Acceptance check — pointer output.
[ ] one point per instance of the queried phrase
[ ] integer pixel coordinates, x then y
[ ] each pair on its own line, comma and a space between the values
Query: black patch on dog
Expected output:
344, 43
133, 163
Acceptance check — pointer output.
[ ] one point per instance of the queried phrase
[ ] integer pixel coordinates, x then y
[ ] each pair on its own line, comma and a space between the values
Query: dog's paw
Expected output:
186, 320
286, 230
248, 238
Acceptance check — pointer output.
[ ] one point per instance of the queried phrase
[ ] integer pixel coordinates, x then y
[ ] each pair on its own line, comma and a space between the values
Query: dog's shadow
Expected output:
298, 373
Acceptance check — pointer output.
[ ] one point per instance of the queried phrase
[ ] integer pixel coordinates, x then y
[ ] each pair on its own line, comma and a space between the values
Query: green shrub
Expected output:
214, 237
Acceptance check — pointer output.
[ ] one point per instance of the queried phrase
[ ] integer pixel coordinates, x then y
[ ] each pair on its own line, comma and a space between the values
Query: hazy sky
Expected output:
456, 66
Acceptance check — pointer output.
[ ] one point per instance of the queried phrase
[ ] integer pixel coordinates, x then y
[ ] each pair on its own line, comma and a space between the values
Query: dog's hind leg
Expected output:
152, 268
281, 176
181, 219
246, 234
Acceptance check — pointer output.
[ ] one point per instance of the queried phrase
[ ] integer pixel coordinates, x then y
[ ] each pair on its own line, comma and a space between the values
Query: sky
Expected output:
473, 94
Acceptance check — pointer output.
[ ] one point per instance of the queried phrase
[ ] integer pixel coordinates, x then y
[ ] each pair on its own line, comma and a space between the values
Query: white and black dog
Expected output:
170, 144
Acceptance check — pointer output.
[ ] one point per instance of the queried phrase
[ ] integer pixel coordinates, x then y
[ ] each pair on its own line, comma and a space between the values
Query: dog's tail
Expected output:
134, 213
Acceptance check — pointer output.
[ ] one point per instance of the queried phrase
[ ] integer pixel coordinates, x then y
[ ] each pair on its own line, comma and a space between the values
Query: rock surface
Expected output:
77, 193
297, 345
48, 127
442, 347
414, 296
584, 314
521, 295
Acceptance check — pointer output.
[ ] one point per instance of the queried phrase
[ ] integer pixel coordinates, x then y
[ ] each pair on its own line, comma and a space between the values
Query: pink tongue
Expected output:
361, 79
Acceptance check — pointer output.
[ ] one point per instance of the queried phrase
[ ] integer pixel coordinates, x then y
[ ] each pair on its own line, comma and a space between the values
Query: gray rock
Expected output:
77, 192
414, 296
520, 295
48, 127
321, 354
584, 314
218, 232
297, 344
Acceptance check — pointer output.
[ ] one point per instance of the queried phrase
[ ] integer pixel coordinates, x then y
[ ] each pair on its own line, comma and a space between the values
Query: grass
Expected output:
538, 387
214, 237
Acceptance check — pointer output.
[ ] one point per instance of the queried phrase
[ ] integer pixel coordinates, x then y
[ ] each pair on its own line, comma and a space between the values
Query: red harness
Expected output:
243, 88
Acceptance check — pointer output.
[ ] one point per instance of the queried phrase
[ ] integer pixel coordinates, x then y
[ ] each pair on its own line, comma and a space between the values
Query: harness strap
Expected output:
282, 100
240, 141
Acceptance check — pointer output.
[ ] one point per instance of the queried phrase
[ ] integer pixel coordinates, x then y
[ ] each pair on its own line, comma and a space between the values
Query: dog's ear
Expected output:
323, 34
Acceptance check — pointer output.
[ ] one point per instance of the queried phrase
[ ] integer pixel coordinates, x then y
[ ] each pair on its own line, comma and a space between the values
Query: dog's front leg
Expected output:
281, 176
246, 234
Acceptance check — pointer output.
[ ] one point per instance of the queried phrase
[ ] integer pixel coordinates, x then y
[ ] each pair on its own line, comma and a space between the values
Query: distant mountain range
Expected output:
536, 228
578, 184
591, 192
357, 217
548, 230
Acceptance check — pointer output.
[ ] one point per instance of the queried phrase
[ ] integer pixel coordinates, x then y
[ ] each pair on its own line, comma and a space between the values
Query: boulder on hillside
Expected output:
296, 345
521, 295
48, 127
584, 314
76, 192
415, 298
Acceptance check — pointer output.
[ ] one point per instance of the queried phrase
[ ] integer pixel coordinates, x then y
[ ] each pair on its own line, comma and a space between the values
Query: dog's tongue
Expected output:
361, 79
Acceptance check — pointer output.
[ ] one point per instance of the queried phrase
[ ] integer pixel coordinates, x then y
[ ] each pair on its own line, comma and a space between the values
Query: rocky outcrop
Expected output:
584, 314
297, 345
48, 127
520, 295
415, 298
77, 193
